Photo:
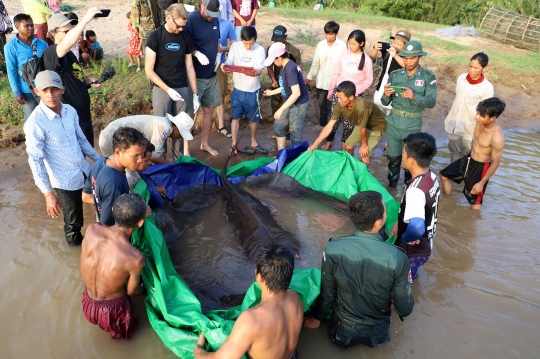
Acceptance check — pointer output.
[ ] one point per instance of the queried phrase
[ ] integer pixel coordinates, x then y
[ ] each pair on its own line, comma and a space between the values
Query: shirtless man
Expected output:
111, 266
271, 329
477, 167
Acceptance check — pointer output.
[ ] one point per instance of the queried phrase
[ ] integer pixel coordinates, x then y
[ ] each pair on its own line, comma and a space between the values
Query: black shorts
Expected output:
471, 171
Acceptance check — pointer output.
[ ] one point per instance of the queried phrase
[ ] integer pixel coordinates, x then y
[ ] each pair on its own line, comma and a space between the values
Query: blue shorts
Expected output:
245, 102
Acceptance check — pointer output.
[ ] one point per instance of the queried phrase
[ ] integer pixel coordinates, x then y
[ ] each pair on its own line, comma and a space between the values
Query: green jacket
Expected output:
424, 86
360, 275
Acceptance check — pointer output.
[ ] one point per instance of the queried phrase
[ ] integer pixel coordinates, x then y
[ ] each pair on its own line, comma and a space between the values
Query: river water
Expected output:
477, 297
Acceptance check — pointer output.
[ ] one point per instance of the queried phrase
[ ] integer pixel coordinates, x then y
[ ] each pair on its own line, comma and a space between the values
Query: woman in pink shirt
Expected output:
355, 66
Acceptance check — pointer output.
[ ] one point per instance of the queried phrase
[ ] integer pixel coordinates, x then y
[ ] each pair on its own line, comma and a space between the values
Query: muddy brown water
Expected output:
477, 297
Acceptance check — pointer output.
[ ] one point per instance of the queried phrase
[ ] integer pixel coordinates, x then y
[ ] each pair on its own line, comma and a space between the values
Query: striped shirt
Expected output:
56, 147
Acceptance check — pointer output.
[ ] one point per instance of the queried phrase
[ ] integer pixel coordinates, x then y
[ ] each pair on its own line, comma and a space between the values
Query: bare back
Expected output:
488, 142
268, 331
110, 265
278, 324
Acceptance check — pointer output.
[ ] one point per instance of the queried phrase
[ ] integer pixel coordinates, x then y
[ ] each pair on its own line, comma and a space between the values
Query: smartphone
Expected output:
397, 89
104, 13
384, 45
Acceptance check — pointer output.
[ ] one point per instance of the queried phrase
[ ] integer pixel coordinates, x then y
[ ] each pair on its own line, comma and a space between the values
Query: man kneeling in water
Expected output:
111, 266
271, 329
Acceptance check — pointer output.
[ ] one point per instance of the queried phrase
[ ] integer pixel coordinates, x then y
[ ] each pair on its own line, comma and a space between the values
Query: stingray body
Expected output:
253, 220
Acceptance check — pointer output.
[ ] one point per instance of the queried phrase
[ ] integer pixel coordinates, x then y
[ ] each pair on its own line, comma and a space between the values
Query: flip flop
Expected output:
260, 149
246, 150
227, 132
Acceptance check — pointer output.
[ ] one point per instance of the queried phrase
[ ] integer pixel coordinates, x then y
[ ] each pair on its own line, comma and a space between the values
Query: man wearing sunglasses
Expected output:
59, 58
170, 67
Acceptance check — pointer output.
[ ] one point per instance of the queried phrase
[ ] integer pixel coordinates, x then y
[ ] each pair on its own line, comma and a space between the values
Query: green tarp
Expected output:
173, 310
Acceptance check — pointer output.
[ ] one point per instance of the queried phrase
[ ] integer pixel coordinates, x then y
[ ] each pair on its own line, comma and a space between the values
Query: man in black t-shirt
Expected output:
107, 178
169, 66
390, 56
59, 58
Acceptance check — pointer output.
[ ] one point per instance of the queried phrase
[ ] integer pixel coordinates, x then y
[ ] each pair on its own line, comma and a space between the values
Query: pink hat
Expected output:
276, 50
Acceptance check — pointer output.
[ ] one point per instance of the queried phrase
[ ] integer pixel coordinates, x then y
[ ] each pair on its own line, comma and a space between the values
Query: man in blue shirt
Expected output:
18, 51
107, 178
203, 27
228, 35
56, 148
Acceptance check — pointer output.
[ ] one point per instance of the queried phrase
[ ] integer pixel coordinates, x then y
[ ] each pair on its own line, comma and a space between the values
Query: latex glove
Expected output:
196, 103
202, 58
218, 61
175, 96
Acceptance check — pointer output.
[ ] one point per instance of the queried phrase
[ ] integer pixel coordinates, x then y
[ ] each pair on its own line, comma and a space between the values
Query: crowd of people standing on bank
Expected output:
188, 57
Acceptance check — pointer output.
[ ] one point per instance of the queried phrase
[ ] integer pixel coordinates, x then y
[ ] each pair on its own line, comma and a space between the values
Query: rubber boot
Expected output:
394, 166
281, 142
408, 176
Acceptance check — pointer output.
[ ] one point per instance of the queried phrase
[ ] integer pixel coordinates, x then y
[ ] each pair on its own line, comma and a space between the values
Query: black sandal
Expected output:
227, 133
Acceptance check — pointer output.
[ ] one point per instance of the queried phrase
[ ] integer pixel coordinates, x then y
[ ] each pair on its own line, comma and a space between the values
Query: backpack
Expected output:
31, 68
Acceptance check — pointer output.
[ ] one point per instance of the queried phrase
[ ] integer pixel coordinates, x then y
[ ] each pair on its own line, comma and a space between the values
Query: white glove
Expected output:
196, 103
202, 58
218, 61
175, 96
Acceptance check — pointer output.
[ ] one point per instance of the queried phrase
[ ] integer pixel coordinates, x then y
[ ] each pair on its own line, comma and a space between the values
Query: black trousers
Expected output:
346, 334
72, 207
325, 106
88, 131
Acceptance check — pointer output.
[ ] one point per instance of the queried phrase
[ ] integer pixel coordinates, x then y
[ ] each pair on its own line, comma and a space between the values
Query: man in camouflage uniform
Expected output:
142, 19
417, 91
280, 35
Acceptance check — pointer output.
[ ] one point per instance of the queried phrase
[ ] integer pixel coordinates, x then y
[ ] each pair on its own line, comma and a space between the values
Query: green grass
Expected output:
10, 111
434, 42
361, 20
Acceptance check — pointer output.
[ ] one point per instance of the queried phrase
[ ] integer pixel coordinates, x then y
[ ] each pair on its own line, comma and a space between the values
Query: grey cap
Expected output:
48, 78
57, 20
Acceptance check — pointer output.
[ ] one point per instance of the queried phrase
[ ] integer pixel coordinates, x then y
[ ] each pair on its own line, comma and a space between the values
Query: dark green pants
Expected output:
395, 137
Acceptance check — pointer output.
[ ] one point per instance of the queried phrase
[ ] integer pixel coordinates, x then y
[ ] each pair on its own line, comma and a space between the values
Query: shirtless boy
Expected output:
111, 266
271, 329
477, 167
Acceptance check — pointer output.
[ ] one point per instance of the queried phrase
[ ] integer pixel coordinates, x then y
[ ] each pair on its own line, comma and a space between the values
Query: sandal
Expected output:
246, 150
260, 149
227, 132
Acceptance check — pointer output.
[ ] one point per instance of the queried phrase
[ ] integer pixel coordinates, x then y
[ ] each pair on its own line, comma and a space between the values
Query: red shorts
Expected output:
113, 316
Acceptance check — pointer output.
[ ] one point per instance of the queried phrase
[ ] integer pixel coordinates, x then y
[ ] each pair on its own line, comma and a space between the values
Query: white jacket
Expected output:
324, 61
461, 118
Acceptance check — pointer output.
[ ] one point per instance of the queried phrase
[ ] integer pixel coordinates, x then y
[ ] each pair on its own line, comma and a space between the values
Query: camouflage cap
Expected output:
412, 48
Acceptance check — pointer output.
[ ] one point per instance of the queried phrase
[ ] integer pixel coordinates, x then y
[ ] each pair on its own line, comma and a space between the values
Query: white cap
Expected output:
184, 124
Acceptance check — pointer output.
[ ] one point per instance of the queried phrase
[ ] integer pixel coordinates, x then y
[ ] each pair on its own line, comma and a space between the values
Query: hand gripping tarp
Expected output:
173, 310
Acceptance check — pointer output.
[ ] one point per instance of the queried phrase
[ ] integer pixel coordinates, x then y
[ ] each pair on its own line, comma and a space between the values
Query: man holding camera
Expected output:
389, 53
410, 91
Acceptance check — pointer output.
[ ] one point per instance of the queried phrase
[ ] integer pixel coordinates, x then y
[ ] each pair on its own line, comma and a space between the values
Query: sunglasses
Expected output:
178, 26
64, 31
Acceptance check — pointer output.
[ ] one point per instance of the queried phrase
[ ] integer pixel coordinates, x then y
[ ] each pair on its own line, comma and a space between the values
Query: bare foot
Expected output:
326, 146
272, 137
186, 153
210, 150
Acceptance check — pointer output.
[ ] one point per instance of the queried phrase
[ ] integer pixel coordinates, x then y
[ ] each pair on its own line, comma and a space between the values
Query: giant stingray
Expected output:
253, 220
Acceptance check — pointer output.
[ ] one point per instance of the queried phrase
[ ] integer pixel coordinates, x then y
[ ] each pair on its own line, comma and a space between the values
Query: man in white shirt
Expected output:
324, 61
245, 96
155, 128
56, 148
